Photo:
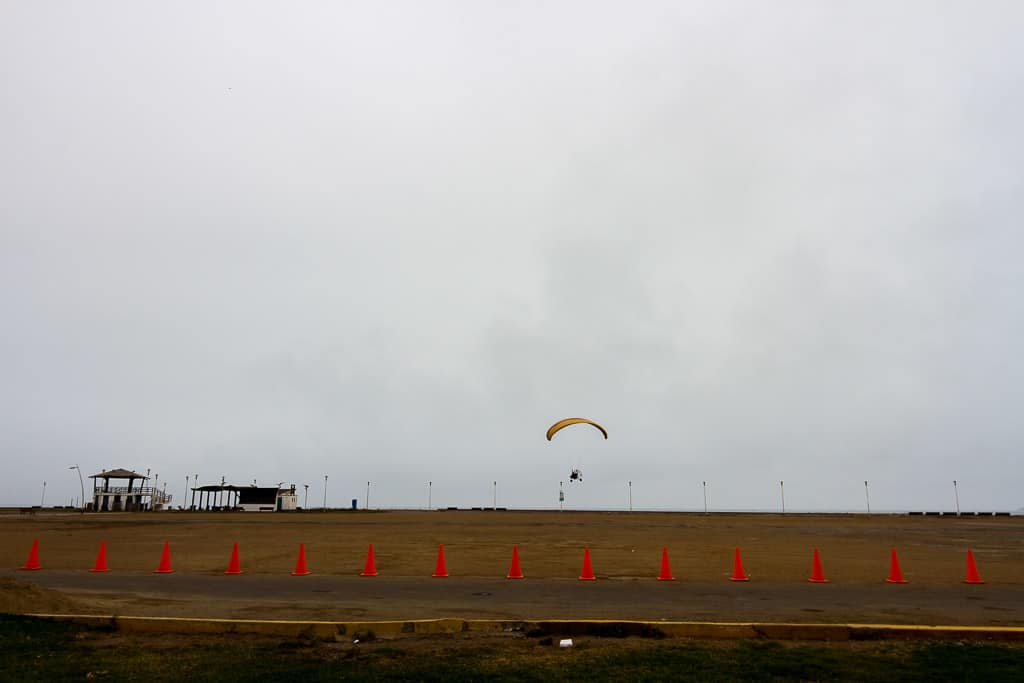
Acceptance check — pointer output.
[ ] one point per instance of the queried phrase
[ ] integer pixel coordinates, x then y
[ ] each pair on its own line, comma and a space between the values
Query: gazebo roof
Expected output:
118, 474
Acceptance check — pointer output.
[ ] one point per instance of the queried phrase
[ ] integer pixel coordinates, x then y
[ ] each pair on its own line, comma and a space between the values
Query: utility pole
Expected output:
561, 496
42, 499
956, 495
494, 503
305, 505
156, 489
867, 498
782, 491
630, 496
430, 492
367, 506
325, 493
184, 498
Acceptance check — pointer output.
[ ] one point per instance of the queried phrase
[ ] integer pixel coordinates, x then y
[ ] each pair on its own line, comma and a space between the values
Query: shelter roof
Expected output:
230, 487
119, 473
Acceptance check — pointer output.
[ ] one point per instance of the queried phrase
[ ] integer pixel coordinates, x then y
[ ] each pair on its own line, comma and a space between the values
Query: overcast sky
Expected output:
395, 241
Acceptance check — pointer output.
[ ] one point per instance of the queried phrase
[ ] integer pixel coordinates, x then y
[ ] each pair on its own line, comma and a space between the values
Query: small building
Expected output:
245, 498
266, 498
130, 498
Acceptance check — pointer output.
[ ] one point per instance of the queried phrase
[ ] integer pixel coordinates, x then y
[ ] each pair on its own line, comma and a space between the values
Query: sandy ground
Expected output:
625, 548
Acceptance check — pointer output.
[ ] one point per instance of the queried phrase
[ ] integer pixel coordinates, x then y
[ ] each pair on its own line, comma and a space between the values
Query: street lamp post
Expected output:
705, 497
630, 496
156, 490
956, 496
494, 502
42, 499
325, 493
430, 492
867, 498
305, 505
367, 505
561, 496
782, 492
81, 484
184, 497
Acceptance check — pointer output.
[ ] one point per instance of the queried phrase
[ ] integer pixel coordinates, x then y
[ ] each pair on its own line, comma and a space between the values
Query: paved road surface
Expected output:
387, 598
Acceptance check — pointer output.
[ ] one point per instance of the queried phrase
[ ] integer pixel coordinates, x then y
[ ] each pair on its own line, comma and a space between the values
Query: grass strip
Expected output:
40, 650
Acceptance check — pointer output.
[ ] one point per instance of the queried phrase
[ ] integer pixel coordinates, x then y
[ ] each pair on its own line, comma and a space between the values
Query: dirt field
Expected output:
625, 548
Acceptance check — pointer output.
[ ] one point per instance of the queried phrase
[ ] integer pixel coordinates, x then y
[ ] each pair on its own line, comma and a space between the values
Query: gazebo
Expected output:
107, 498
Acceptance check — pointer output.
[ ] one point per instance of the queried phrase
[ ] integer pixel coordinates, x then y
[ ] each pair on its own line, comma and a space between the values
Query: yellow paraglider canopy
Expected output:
554, 429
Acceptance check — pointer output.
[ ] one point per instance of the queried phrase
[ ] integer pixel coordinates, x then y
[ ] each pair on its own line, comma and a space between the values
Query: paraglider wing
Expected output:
554, 429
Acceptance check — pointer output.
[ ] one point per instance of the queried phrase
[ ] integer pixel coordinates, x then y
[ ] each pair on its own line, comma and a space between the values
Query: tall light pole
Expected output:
367, 505
956, 495
782, 492
184, 497
195, 480
81, 483
325, 493
867, 498
305, 505
705, 497
630, 496
494, 503
561, 496
42, 498
430, 492
156, 490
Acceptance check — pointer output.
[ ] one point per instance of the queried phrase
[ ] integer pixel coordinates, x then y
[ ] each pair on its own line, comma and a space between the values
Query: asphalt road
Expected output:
332, 597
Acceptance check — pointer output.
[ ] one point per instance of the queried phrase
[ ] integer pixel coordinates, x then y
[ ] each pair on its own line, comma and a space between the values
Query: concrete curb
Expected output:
345, 630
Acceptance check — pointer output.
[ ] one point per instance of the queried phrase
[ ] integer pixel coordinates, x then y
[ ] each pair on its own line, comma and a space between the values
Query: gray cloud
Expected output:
395, 243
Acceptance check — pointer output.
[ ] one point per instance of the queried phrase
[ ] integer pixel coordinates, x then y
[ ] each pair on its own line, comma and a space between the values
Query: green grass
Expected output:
36, 650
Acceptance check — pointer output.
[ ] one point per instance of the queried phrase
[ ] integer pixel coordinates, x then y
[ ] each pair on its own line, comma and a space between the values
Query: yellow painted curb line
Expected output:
345, 630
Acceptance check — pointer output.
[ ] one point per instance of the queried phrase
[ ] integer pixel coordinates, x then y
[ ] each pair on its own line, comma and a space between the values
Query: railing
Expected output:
158, 497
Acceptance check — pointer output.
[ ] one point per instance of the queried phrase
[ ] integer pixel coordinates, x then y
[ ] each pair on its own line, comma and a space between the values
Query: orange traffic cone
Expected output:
440, 570
300, 564
101, 559
515, 571
737, 568
895, 575
588, 572
817, 576
370, 568
165, 560
666, 571
972, 569
33, 556
234, 566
